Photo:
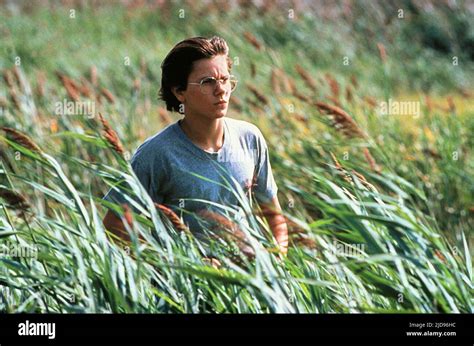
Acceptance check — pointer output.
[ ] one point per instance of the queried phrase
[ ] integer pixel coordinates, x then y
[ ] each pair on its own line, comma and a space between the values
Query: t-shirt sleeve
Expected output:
144, 174
265, 187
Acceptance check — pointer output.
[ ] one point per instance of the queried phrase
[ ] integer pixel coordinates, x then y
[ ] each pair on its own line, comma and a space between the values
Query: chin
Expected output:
220, 114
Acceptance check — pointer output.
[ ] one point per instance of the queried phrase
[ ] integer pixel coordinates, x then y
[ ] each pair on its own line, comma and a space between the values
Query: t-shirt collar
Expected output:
196, 149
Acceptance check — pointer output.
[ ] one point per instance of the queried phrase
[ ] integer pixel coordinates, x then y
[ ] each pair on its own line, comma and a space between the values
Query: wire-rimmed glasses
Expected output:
208, 85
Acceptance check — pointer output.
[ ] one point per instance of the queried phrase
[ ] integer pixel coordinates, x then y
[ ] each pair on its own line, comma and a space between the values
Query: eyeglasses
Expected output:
208, 84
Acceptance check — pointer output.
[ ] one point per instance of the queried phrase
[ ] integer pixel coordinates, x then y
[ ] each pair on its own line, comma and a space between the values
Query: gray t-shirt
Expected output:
164, 164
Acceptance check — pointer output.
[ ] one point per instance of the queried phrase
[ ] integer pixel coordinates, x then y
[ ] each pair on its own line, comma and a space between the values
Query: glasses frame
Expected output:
231, 78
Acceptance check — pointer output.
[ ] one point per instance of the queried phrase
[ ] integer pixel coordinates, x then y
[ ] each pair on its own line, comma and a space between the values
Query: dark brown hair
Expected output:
178, 64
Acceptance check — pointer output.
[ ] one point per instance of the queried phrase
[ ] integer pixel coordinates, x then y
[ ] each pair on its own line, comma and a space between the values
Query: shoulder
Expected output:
154, 147
244, 129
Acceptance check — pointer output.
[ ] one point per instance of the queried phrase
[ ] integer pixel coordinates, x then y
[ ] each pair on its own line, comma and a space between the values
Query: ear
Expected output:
178, 93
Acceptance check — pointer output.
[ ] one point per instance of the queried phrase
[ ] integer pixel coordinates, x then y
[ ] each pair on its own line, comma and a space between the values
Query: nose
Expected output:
219, 88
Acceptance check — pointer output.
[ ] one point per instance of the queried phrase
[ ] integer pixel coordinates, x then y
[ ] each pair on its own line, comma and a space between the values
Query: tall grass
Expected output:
379, 206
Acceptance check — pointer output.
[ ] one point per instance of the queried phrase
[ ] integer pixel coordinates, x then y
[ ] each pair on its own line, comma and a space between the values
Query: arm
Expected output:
277, 222
111, 221
115, 225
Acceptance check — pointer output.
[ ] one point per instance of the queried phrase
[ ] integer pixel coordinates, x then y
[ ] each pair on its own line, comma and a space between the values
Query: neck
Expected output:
206, 133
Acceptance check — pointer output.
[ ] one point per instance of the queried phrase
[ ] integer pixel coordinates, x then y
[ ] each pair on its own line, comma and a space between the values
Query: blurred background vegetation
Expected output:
292, 59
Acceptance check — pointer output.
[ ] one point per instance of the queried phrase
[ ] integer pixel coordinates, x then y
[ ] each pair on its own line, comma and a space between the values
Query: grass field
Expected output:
368, 113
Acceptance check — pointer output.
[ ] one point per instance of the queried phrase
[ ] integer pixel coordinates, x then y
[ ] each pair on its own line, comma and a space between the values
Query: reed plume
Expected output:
260, 97
341, 120
349, 96
72, 89
364, 181
309, 81
429, 104
354, 82
236, 103
274, 81
15, 99
8, 77
298, 237
253, 104
111, 136
287, 83
371, 161
17, 74
252, 40
382, 52
335, 101
40, 88
85, 90
137, 84
230, 231
171, 215
451, 105
432, 153
301, 97
333, 85
301, 118
465, 93
14, 199
108, 95
253, 70
3, 102
93, 75
347, 177
5, 159
21, 139
143, 66
339, 167
440, 255
370, 101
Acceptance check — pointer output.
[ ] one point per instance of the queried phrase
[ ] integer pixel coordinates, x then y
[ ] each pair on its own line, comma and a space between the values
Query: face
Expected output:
197, 104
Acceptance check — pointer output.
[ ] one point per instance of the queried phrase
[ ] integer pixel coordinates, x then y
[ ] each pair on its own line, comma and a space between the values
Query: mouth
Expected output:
220, 103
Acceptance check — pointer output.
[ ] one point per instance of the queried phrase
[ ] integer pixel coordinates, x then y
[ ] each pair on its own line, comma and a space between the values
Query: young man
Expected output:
196, 82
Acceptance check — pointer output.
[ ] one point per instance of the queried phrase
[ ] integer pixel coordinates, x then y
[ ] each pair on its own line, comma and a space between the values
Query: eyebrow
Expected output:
205, 76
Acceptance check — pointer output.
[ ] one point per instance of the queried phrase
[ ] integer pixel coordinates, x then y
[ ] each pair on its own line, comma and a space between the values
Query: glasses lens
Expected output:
208, 85
233, 84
